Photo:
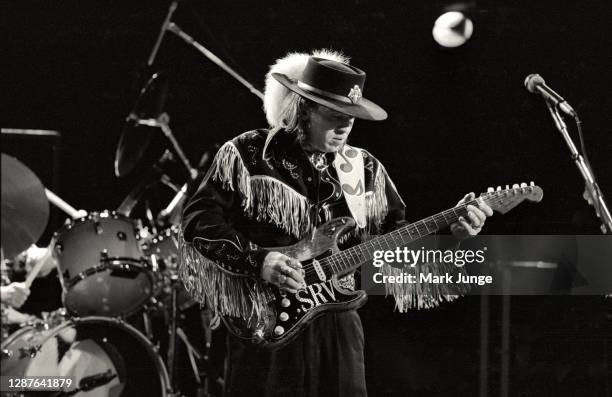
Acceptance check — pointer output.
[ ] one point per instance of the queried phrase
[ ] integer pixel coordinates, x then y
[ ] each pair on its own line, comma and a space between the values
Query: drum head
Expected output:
90, 346
121, 288
101, 263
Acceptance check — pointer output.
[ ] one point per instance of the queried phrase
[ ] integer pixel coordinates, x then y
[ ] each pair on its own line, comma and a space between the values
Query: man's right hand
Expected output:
15, 294
283, 271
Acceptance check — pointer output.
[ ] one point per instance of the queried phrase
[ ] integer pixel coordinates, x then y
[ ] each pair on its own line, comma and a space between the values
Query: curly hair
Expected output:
281, 105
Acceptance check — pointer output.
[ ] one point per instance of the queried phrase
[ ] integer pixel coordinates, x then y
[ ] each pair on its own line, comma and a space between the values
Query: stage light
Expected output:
452, 29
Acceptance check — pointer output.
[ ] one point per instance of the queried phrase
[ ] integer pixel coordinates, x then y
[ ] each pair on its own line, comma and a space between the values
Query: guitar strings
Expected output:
336, 265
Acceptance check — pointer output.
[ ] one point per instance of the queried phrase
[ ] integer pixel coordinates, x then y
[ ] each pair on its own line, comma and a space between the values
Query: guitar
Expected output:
324, 264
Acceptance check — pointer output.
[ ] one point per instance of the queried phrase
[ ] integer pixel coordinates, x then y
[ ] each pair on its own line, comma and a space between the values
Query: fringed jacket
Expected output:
249, 201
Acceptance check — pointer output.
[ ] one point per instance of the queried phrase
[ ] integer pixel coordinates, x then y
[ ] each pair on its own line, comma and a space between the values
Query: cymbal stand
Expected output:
192, 353
163, 122
174, 28
154, 174
173, 331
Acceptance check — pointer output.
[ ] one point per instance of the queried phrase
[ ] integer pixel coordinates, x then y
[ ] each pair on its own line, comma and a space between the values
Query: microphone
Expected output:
536, 85
163, 29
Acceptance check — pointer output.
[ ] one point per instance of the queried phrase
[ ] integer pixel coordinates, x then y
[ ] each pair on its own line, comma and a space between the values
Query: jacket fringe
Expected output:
422, 295
226, 293
263, 197
270, 200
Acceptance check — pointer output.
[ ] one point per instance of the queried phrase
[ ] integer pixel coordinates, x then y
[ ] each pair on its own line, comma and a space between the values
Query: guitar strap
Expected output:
349, 166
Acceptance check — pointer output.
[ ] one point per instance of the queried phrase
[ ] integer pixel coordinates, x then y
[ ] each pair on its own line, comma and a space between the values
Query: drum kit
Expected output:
117, 277
112, 270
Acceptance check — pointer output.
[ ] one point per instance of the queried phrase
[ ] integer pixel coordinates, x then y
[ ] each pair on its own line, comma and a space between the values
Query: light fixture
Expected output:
452, 29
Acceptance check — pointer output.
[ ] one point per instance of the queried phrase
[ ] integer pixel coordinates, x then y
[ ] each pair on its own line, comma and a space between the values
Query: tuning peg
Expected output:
507, 187
499, 188
515, 186
523, 185
531, 183
490, 190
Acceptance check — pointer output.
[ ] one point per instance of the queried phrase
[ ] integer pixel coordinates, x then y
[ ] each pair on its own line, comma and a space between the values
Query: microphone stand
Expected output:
601, 209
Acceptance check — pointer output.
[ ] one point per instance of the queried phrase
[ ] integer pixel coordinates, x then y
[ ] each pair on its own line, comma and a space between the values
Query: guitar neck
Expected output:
500, 200
352, 258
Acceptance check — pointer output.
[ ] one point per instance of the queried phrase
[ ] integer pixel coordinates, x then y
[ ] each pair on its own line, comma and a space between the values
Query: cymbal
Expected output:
140, 124
25, 209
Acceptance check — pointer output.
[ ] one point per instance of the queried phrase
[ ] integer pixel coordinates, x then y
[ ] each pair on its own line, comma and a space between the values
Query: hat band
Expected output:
328, 94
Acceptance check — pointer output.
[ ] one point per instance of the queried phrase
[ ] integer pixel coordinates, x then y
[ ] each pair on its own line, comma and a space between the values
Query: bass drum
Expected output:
83, 347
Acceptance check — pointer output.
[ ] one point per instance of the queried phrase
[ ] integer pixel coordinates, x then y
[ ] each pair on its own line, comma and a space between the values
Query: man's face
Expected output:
329, 129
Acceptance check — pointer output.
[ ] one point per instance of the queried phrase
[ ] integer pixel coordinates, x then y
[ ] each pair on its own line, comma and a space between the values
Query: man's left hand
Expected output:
477, 216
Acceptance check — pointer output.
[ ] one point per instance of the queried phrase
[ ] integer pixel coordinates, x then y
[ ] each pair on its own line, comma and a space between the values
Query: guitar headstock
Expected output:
503, 200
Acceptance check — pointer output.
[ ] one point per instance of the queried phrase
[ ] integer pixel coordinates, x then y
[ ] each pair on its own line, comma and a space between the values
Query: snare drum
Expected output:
84, 347
103, 269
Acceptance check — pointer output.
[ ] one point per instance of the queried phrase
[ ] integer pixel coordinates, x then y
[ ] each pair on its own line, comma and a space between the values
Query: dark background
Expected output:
460, 120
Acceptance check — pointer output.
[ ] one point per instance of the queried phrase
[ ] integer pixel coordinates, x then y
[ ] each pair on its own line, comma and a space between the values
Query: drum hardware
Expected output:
30, 132
172, 333
95, 217
152, 177
6, 354
135, 138
147, 113
174, 28
148, 328
117, 266
97, 345
167, 181
29, 351
149, 216
192, 354
154, 265
89, 383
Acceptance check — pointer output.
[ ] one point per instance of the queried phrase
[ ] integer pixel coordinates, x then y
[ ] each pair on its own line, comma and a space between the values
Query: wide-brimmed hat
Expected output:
335, 85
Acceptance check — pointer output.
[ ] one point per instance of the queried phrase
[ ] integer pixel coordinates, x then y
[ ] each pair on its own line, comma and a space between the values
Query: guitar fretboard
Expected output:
354, 257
